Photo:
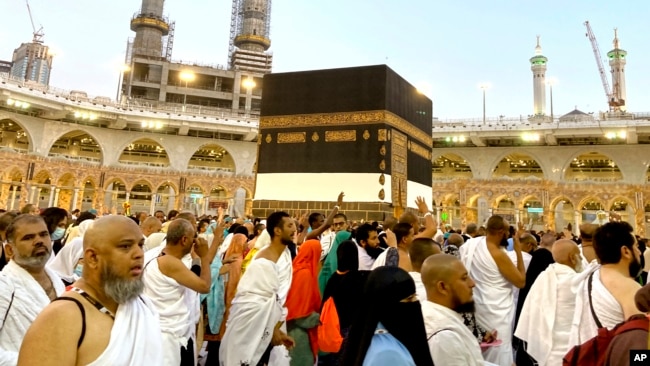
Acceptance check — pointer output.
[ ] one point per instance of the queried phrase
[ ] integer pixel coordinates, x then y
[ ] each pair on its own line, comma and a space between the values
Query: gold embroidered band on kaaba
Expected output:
347, 119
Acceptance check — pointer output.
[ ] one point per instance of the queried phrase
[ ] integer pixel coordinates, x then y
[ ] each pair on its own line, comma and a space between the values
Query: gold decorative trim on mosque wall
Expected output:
347, 119
381, 134
291, 137
340, 136
421, 151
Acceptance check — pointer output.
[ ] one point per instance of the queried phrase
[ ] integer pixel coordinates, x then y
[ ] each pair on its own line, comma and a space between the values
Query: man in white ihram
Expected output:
547, 313
26, 285
494, 274
257, 314
607, 288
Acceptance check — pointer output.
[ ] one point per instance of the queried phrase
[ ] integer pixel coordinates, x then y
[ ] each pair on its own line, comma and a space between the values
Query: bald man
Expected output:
150, 225
420, 250
103, 320
449, 293
587, 232
547, 314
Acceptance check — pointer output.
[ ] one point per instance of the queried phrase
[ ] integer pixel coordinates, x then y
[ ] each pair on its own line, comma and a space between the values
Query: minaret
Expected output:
617, 59
250, 29
149, 26
538, 66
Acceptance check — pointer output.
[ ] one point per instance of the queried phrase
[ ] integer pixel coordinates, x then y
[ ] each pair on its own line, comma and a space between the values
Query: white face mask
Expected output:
58, 233
578, 266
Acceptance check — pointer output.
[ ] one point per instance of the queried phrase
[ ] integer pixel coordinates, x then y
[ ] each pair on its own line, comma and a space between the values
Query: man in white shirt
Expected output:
420, 250
449, 293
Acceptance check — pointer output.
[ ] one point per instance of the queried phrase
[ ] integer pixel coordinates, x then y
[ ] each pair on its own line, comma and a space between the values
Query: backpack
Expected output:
329, 330
594, 351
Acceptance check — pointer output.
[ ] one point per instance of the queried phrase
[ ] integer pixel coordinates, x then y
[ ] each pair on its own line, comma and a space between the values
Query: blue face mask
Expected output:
78, 270
58, 233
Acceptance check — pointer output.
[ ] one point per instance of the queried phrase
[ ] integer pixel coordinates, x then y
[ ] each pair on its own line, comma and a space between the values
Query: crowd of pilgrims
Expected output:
313, 289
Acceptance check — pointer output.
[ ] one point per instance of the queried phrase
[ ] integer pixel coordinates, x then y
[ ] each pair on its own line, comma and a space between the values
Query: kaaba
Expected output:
364, 131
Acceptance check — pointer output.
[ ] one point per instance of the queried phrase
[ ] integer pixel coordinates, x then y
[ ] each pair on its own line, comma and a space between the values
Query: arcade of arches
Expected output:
73, 166
543, 191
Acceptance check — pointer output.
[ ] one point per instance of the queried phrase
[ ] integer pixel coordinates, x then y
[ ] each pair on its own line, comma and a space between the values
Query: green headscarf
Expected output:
331, 260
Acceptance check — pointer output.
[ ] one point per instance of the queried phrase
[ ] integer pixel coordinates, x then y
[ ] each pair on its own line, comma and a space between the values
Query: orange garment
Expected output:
234, 275
304, 296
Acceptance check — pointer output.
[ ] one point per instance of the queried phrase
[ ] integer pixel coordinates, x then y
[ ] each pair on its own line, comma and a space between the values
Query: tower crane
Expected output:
38, 34
612, 100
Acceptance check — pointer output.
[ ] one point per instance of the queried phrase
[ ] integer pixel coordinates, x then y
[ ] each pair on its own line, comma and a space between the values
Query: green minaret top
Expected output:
616, 53
538, 59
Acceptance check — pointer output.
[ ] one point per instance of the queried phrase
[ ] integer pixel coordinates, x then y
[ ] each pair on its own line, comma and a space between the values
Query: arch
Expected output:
219, 191
530, 197
166, 193
214, 157
532, 212
90, 179
13, 172
473, 200
518, 165
142, 181
200, 189
451, 166
593, 165
77, 144
42, 176
144, 151
585, 201
449, 199
620, 199
166, 184
9, 126
66, 180
113, 180
552, 205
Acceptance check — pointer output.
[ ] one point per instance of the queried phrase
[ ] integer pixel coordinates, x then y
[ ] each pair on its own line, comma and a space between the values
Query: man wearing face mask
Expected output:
495, 274
608, 287
26, 285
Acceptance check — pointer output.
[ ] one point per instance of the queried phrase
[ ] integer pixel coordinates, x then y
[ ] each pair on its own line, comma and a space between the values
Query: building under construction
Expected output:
32, 62
151, 77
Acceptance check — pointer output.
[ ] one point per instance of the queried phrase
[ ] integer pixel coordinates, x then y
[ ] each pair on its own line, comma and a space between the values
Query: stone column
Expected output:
37, 199
14, 189
56, 197
32, 193
152, 206
50, 202
75, 195
576, 223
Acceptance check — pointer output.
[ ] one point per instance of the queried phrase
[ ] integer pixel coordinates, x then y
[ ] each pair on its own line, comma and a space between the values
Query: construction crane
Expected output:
612, 100
38, 34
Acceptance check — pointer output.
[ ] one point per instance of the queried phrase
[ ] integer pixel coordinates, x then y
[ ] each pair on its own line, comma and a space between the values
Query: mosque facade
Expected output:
66, 149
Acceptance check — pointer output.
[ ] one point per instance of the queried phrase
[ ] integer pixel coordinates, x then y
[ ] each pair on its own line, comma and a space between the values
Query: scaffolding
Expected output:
236, 20
168, 42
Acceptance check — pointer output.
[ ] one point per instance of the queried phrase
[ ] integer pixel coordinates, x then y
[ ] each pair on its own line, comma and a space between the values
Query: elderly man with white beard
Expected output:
545, 322
26, 285
103, 320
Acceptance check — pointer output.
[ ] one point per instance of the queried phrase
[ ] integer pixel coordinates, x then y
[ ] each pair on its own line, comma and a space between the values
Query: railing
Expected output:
135, 106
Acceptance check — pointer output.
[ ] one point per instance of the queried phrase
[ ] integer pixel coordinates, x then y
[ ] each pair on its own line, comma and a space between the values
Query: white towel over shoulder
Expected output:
135, 338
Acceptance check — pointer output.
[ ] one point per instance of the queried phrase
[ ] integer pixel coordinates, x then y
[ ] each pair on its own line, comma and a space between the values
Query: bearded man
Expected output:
449, 293
106, 297
256, 318
609, 286
26, 285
